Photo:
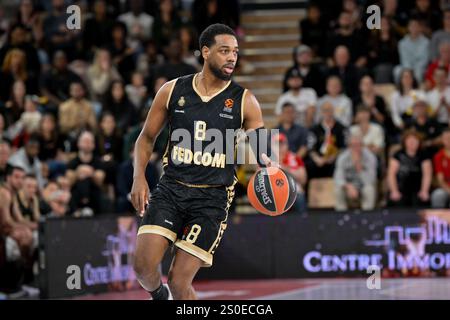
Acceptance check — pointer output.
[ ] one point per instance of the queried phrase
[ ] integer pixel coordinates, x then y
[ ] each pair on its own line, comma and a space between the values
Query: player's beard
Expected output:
217, 72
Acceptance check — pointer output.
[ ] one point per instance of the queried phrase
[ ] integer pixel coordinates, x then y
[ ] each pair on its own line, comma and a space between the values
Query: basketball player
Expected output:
190, 205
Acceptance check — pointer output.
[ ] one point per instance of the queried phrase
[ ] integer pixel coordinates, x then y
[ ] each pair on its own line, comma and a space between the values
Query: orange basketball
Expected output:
272, 191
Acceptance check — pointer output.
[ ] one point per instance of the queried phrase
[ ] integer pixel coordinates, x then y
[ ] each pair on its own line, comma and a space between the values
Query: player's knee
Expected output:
143, 267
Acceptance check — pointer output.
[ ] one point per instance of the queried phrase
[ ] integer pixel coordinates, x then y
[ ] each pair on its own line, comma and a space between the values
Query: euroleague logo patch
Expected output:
279, 182
228, 105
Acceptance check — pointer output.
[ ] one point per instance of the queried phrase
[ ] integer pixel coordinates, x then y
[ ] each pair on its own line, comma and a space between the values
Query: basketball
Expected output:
272, 191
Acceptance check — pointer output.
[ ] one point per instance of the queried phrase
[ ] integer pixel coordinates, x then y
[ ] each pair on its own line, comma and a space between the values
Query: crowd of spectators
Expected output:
73, 101
381, 150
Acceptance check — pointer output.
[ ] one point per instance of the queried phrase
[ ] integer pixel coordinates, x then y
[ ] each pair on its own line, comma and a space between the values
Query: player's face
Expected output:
223, 56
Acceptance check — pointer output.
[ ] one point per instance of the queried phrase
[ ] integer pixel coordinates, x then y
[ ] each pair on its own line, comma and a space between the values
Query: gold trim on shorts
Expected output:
206, 257
169, 234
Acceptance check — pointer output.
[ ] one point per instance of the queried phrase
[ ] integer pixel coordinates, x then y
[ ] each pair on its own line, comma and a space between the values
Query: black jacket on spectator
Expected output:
350, 78
356, 44
314, 35
313, 79
58, 83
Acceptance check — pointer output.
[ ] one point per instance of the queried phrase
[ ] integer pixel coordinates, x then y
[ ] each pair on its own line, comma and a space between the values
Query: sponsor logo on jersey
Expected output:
228, 105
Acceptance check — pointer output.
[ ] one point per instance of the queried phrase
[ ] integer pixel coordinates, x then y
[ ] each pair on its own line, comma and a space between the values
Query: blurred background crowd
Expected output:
365, 110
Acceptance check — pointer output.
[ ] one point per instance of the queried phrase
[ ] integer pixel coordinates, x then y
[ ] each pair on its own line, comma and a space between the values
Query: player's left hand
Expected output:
268, 162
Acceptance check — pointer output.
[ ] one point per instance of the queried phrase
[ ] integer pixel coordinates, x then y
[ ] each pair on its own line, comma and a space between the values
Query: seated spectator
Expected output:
346, 34
117, 103
369, 99
409, 174
441, 196
296, 134
383, 51
345, 70
77, 113
109, 147
122, 55
304, 100
86, 177
13, 69
125, 181
440, 36
439, 98
355, 176
293, 164
403, 99
100, 74
149, 59
56, 82
167, 23
139, 23
136, 91
189, 46
371, 134
25, 205
174, 67
5, 153
343, 110
429, 16
413, 50
14, 107
442, 61
27, 159
325, 140
311, 73
97, 29
313, 31
429, 128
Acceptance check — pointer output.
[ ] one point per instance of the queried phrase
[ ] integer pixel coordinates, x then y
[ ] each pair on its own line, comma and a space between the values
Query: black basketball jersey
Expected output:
202, 140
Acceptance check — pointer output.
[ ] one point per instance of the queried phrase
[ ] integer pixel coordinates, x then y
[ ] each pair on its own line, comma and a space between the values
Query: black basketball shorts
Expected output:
193, 218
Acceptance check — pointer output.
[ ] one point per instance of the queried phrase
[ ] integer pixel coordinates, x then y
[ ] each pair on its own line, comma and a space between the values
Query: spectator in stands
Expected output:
371, 133
313, 31
189, 46
429, 17
355, 176
369, 99
5, 153
442, 61
293, 164
25, 203
311, 74
403, 99
439, 98
149, 59
122, 55
100, 74
27, 124
343, 110
57, 36
429, 128
109, 147
345, 70
383, 51
174, 67
56, 82
139, 23
167, 23
27, 159
325, 140
30, 17
413, 50
136, 91
296, 134
77, 113
86, 176
409, 173
304, 99
19, 38
97, 29
13, 69
117, 103
15, 106
207, 12
441, 196
440, 36
347, 35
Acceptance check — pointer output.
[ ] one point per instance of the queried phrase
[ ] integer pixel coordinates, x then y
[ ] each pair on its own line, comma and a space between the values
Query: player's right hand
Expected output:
140, 194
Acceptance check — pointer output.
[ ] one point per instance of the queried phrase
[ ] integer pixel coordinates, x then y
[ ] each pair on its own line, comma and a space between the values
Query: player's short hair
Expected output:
207, 38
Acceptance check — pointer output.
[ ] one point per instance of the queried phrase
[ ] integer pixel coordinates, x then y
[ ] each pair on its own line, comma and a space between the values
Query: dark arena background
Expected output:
360, 91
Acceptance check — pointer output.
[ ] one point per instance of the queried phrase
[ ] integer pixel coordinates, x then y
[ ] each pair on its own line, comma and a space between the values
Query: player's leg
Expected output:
181, 274
150, 250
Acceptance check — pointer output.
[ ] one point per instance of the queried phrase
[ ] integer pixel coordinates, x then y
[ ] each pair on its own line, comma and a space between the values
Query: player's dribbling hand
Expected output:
268, 162
140, 194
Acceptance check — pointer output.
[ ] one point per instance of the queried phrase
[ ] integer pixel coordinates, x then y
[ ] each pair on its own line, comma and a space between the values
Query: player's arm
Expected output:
143, 148
253, 121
